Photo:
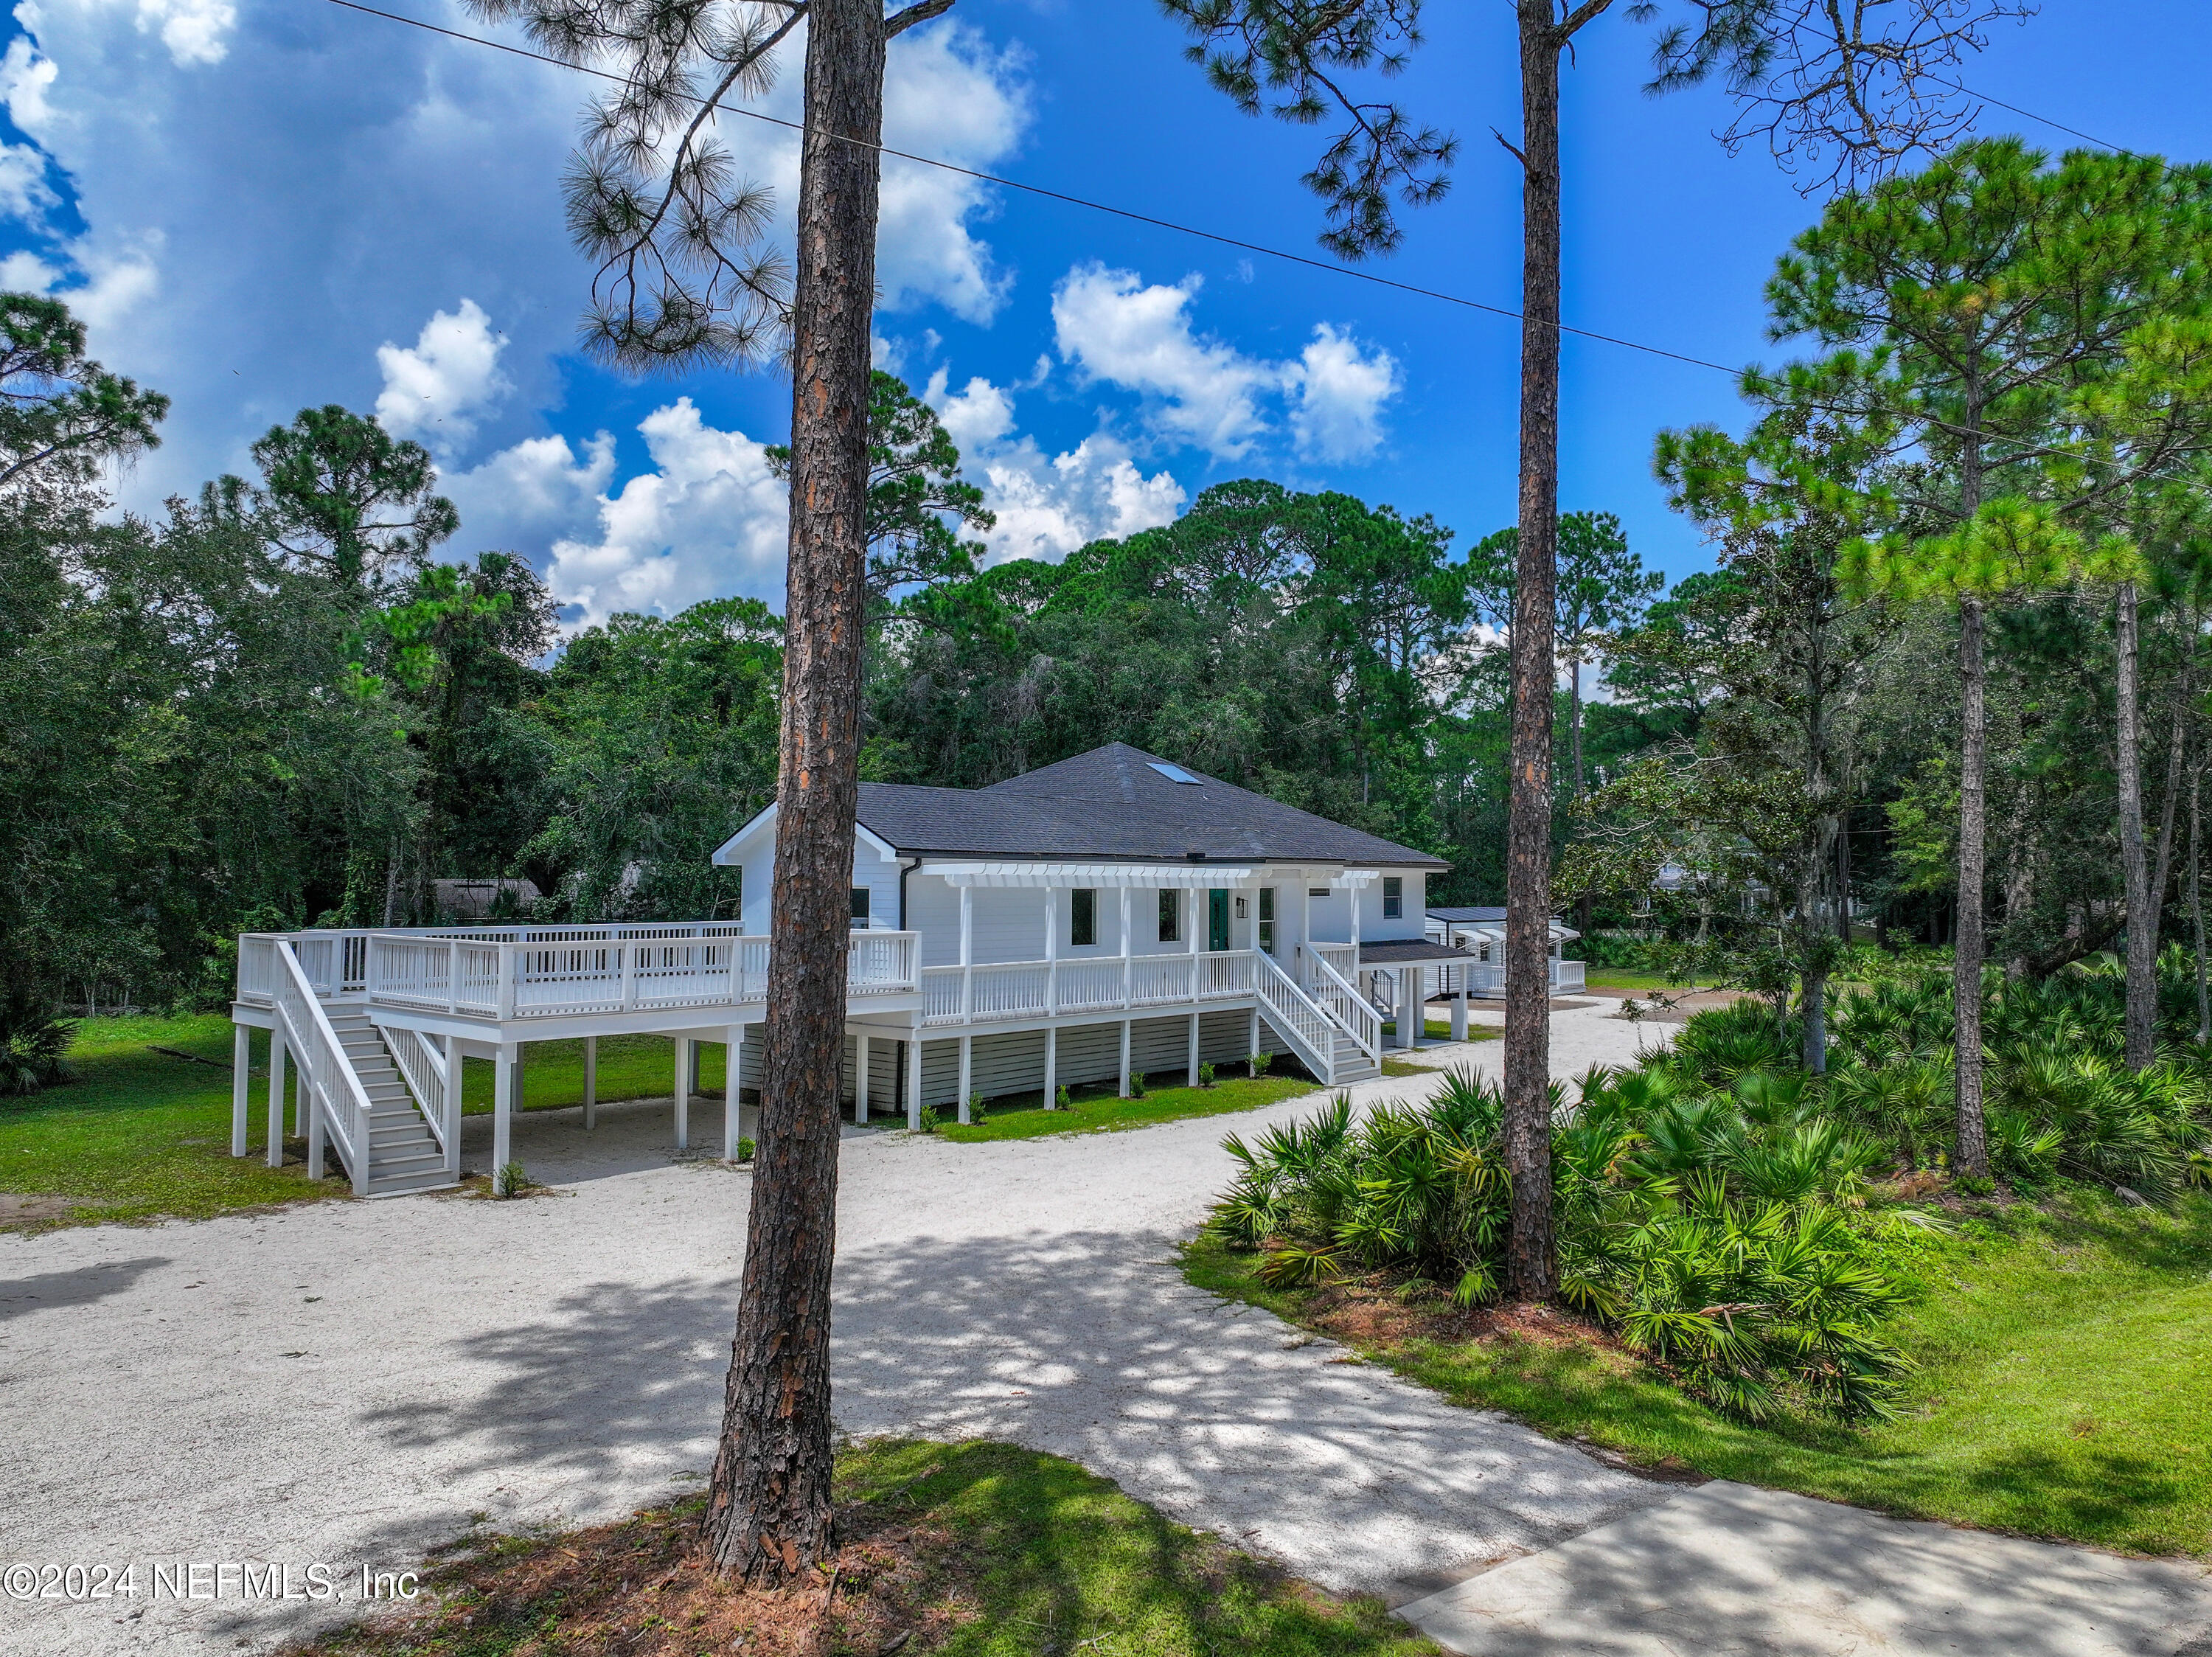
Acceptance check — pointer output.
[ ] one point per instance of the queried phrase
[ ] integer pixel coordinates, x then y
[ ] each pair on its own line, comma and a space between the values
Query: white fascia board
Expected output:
1109, 876
728, 853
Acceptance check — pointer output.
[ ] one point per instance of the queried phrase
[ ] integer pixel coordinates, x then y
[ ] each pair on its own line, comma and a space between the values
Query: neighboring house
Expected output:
1111, 914
1480, 933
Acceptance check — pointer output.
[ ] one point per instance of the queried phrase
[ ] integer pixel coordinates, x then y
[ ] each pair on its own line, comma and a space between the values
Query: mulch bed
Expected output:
641, 1588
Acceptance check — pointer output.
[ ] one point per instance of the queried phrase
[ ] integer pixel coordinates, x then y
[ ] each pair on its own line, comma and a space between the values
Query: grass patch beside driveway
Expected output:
970, 1550
1097, 1110
2063, 1387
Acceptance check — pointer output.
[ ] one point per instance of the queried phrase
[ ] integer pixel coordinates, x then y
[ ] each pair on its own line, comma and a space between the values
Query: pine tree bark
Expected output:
2196, 905
768, 1515
1971, 1155
2134, 863
1532, 1266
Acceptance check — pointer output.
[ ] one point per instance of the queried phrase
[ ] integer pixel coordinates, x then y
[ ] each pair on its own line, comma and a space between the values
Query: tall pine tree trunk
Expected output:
1972, 1152
769, 1514
1532, 1266
2134, 863
2197, 906
1575, 742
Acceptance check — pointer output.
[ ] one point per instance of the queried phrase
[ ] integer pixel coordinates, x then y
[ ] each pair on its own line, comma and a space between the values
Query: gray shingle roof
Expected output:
1110, 803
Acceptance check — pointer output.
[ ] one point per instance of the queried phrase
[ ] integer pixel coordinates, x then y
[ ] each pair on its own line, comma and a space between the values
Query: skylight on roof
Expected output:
1173, 773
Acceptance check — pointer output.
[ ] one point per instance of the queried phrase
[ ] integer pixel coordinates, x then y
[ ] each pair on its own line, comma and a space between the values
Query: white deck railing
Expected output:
1307, 1027
531, 972
424, 1067
1331, 990
338, 1105
1019, 989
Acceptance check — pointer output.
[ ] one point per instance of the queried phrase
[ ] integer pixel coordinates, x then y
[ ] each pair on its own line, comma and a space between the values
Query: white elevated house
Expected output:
1111, 914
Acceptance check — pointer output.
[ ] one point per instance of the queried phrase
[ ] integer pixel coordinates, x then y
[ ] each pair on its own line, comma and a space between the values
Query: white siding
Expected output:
1012, 1065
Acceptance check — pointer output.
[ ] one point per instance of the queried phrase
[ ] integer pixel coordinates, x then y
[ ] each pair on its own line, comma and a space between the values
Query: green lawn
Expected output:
142, 1135
1095, 1109
2064, 1386
974, 1550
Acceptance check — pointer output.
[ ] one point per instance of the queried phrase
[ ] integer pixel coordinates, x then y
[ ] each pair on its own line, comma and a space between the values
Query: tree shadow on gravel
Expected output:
51, 1291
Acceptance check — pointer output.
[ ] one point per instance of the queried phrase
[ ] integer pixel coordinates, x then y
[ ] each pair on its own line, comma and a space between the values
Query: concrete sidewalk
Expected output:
1727, 1570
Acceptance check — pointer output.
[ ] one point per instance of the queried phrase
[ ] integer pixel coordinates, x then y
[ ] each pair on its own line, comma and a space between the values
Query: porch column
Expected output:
1459, 1011
732, 1127
1051, 964
967, 967
1125, 988
1051, 1067
1190, 922
591, 1082
860, 1077
914, 1080
241, 1081
1303, 971
1125, 1056
967, 1071
1412, 1009
683, 1044
1191, 1076
503, 1077
276, 1096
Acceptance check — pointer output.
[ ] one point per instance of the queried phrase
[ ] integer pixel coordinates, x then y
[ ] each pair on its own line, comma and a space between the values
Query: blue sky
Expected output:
262, 204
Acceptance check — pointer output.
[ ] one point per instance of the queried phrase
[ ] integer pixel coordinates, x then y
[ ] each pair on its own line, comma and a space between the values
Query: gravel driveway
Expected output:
348, 1383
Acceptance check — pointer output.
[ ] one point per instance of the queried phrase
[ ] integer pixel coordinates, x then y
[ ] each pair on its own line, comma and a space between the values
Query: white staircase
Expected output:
403, 1153
1324, 1029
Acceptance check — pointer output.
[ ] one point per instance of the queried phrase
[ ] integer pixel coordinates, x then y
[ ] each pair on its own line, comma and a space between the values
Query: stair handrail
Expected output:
1300, 1019
1364, 1025
323, 1063
423, 1068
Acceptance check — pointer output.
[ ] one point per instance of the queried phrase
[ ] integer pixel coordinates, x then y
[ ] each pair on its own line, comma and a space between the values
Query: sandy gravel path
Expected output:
348, 1383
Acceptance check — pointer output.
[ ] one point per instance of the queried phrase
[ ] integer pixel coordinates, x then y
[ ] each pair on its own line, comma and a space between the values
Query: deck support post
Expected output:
275, 1096
1051, 1067
313, 1128
1124, 1092
521, 1077
913, 1080
683, 1044
450, 1046
591, 1082
241, 1084
505, 1073
732, 1120
1459, 1011
1193, 1077
1412, 1009
967, 1072
1252, 1043
860, 1077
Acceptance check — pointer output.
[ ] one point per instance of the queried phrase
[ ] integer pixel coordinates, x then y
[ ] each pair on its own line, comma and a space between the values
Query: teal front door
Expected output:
1216, 919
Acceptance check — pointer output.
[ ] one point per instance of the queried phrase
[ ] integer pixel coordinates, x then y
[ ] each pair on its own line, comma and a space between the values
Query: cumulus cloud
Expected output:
26, 73
1338, 392
24, 192
436, 389
1046, 508
194, 31
105, 286
707, 519
1202, 392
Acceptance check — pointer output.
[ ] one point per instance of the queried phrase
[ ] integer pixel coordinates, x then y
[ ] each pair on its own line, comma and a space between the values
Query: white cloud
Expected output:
195, 31
1339, 391
108, 285
25, 75
539, 491
1112, 327
436, 389
1203, 392
24, 192
707, 520
1046, 509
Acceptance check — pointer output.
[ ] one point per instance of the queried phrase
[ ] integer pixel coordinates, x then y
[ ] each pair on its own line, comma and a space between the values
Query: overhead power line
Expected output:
1157, 222
1062, 196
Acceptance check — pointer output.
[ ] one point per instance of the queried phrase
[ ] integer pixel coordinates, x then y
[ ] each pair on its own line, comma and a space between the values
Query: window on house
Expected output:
1083, 917
1267, 918
1170, 915
1241, 910
860, 907
1393, 897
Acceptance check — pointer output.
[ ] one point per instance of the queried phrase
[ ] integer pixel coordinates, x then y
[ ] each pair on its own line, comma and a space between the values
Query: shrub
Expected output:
977, 1110
1256, 1065
1063, 1099
1136, 1084
1715, 1244
746, 1150
928, 1120
1206, 1076
32, 1045
511, 1180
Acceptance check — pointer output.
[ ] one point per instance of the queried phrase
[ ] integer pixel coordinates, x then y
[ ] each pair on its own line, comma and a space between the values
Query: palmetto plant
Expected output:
1711, 1241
